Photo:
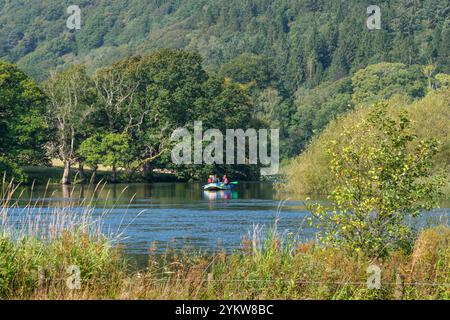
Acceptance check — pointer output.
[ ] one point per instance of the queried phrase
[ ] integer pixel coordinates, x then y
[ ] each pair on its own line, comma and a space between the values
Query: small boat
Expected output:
219, 186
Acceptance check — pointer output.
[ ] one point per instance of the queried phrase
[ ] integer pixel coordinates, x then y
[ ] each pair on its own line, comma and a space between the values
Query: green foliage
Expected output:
171, 82
146, 98
249, 68
315, 108
379, 184
308, 173
384, 80
91, 151
443, 81
303, 42
290, 46
94, 30
225, 105
22, 122
10, 170
110, 150
71, 97
115, 149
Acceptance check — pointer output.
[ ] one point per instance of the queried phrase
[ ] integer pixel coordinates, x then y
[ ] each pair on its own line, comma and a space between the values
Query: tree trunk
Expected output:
94, 175
81, 175
65, 191
147, 170
66, 174
114, 176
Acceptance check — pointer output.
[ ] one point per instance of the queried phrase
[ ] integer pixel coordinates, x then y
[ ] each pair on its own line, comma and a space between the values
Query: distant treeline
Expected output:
304, 42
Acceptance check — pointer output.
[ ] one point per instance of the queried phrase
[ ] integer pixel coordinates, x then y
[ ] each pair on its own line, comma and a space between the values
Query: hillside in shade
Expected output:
301, 42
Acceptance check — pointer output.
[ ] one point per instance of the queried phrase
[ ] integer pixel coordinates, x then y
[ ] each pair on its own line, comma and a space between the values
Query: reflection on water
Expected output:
223, 194
182, 215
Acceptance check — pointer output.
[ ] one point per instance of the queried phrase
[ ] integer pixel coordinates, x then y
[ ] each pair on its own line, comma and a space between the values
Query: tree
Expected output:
170, 86
92, 153
428, 72
111, 149
316, 108
23, 129
116, 152
269, 103
116, 91
380, 182
247, 68
442, 81
71, 98
444, 48
225, 105
384, 80
10, 170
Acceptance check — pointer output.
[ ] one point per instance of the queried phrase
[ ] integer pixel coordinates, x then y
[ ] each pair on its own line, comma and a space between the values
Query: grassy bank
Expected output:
42, 175
33, 269
43, 249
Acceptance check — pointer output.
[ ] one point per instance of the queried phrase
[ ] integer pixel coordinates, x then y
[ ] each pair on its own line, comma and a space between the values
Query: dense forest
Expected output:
302, 42
293, 65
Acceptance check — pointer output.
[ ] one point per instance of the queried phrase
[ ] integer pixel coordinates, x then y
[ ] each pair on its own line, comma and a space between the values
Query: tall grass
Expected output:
37, 249
38, 243
286, 269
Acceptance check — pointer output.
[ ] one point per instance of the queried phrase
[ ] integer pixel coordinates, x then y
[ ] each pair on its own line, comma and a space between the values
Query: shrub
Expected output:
379, 183
10, 170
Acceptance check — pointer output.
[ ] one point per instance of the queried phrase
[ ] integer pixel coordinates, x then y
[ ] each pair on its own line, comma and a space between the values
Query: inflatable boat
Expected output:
219, 186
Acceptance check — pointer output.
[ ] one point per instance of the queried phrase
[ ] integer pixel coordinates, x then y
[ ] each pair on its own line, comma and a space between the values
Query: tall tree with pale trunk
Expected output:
71, 97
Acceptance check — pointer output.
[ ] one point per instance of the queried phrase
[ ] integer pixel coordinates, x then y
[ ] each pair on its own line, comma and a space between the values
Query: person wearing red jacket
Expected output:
225, 180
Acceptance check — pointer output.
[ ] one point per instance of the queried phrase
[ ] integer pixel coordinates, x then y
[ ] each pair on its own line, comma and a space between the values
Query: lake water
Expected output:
181, 215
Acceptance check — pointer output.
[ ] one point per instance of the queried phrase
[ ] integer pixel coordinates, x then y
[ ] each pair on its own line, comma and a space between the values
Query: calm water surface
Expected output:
181, 215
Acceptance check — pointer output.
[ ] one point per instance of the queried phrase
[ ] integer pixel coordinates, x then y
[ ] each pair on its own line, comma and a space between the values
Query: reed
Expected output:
39, 244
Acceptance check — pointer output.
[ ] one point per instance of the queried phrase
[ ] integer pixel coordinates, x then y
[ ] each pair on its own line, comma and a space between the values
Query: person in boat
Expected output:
225, 180
210, 179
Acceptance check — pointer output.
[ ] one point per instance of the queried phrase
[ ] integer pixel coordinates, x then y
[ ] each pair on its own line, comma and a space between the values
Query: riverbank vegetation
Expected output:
42, 253
309, 173
59, 255
121, 117
363, 118
268, 266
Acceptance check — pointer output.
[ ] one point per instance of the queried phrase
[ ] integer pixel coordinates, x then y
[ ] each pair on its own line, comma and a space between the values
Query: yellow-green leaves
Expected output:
379, 182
